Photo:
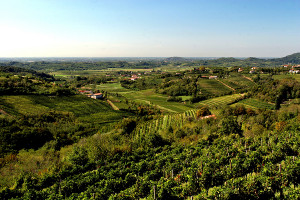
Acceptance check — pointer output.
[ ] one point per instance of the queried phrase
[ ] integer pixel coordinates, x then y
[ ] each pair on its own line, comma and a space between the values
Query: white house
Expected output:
97, 96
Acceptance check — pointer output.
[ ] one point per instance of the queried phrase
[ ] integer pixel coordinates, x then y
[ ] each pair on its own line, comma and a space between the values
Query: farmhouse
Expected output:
134, 77
86, 92
213, 77
296, 67
293, 71
97, 96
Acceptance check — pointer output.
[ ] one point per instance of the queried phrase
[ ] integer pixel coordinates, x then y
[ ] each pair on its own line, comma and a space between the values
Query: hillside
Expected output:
175, 135
34, 111
26, 119
176, 59
230, 167
293, 58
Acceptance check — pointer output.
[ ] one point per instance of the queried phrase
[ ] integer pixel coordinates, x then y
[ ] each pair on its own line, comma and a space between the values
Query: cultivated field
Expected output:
238, 82
86, 109
284, 76
255, 104
220, 101
145, 97
214, 87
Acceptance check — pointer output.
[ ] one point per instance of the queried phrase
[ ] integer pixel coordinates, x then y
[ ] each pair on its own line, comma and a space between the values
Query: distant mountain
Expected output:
226, 59
253, 59
175, 59
293, 58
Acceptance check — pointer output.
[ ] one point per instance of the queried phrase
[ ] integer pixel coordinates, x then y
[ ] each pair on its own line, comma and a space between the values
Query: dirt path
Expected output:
226, 85
250, 79
161, 107
112, 105
3, 112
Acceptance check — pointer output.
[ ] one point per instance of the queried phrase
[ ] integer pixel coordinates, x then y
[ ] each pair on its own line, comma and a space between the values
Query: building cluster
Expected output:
295, 69
90, 94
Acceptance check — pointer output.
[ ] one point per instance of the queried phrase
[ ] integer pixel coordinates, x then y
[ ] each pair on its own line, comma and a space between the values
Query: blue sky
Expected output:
149, 28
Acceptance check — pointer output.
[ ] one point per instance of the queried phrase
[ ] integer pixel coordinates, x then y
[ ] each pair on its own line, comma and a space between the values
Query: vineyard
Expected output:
177, 120
221, 101
166, 135
163, 123
266, 167
84, 108
285, 76
256, 104
238, 82
159, 100
213, 87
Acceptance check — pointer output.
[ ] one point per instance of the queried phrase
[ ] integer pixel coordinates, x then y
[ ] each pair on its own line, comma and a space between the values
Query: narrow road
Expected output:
3, 112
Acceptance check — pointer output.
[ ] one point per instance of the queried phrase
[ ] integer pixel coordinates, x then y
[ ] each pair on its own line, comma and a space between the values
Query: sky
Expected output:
149, 28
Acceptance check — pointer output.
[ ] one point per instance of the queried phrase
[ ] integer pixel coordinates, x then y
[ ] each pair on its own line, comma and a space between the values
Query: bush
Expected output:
229, 125
79, 156
127, 126
203, 111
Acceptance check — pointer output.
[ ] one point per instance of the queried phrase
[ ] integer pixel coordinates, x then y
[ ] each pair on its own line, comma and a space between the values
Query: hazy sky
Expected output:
149, 28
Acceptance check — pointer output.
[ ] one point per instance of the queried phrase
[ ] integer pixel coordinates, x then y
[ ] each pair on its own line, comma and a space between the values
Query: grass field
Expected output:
112, 87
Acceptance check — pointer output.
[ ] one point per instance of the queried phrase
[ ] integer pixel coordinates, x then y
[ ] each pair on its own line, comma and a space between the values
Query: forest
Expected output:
163, 129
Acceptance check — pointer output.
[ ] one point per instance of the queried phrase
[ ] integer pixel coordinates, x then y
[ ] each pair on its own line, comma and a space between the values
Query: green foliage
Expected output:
247, 151
40, 119
203, 111
227, 167
229, 125
126, 125
79, 156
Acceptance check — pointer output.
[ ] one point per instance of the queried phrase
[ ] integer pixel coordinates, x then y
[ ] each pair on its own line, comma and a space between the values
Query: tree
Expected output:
79, 156
229, 125
203, 111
